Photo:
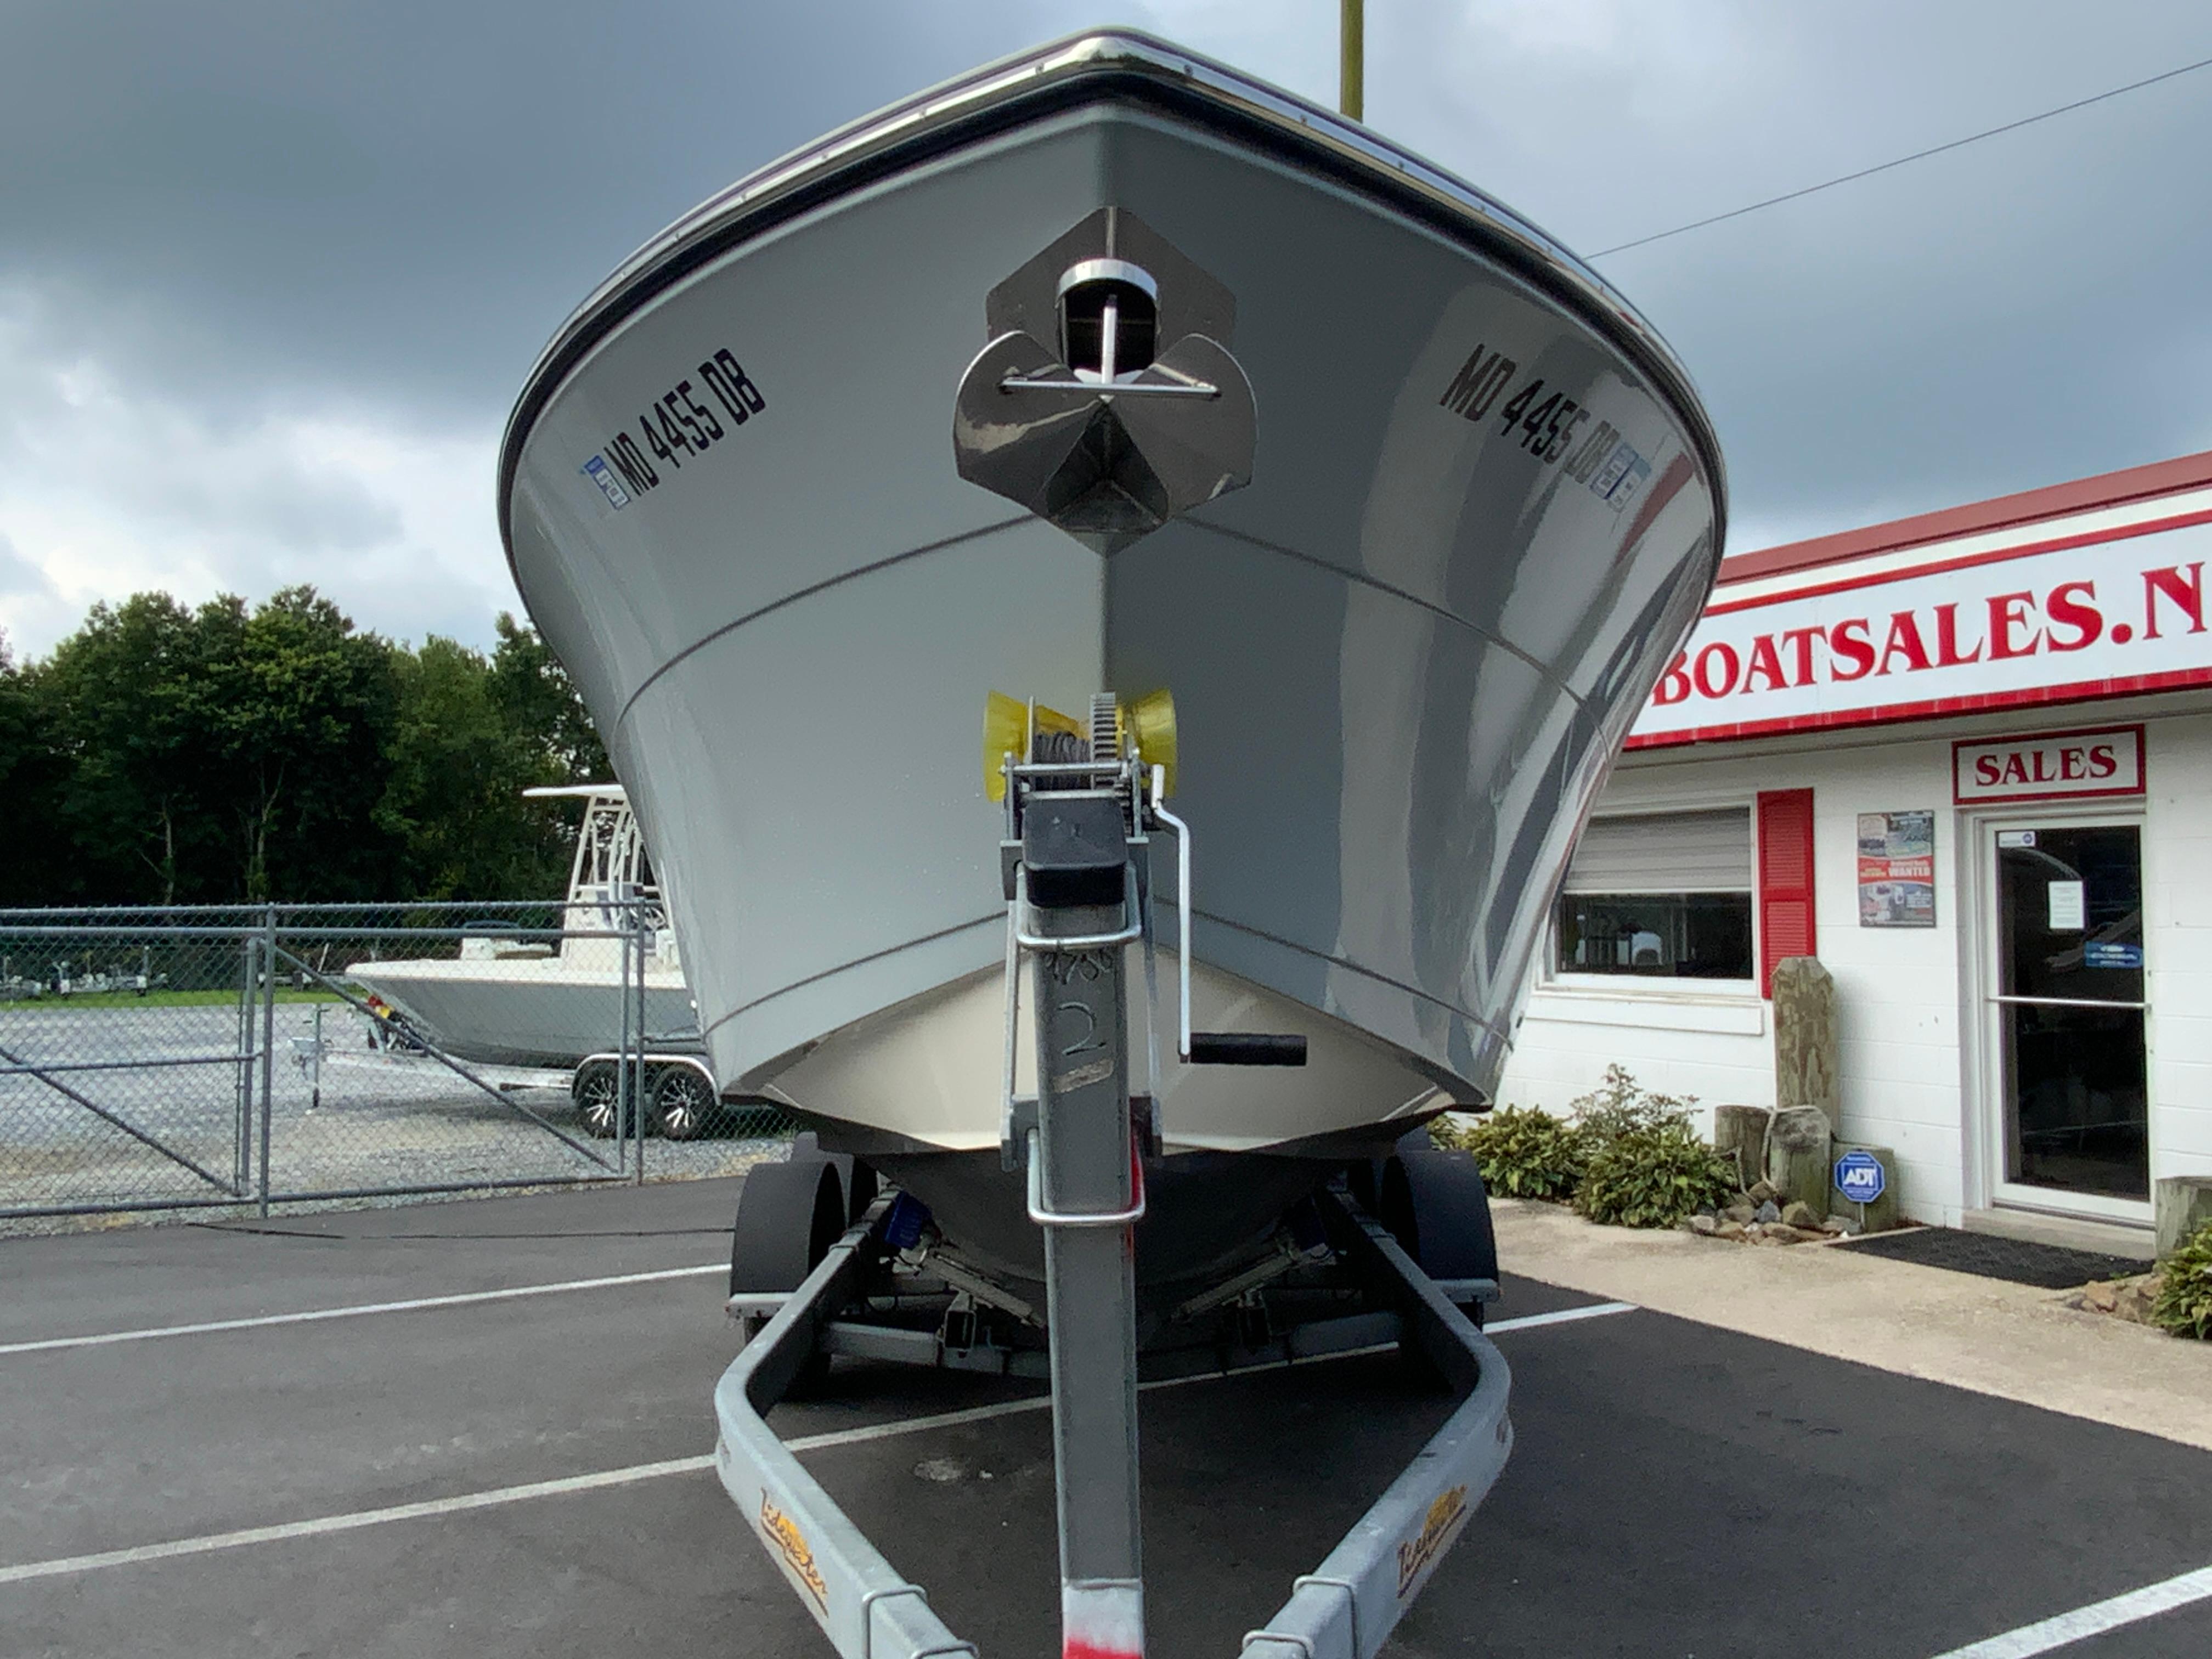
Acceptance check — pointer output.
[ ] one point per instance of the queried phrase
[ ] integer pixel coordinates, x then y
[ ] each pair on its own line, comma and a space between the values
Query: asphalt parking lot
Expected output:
472, 1472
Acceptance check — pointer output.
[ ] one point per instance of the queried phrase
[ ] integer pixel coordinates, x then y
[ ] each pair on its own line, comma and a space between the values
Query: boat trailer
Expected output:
824, 1265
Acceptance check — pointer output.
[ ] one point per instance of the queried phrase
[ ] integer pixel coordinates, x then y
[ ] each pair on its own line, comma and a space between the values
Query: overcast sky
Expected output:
271, 273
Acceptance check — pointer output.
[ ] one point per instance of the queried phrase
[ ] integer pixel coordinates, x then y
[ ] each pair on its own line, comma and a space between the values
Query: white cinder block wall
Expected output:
2178, 942
1910, 1030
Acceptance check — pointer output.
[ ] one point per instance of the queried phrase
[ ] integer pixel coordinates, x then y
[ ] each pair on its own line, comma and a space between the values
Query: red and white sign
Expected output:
2047, 765
2101, 613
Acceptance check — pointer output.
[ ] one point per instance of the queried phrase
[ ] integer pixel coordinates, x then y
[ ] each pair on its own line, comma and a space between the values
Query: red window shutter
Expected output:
1786, 880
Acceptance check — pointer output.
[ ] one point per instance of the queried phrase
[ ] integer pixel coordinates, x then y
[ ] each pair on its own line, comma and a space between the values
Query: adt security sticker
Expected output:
1859, 1178
601, 474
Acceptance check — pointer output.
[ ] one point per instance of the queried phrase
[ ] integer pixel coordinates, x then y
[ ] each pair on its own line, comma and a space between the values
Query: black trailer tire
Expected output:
789, 1216
685, 1102
597, 1090
1434, 1205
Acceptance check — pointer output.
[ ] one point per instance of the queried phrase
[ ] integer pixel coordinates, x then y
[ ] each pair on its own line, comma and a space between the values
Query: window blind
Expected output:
1705, 852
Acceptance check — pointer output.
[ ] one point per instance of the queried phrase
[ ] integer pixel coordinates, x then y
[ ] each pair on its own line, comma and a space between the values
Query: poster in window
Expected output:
1897, 869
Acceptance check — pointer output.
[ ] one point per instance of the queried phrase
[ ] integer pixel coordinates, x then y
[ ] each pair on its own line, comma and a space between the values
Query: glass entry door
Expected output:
2069, 1010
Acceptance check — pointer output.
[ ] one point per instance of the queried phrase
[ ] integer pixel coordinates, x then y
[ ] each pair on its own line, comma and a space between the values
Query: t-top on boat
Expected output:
552, 1002
1251, 462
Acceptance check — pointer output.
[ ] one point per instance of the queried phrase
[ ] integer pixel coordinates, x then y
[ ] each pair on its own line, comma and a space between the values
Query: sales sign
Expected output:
2101, 613
2046, 766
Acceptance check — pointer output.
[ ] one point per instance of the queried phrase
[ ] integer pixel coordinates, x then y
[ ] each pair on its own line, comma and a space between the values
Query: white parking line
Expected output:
1559, 1316
208, 1543
358, 1310
2047, 1635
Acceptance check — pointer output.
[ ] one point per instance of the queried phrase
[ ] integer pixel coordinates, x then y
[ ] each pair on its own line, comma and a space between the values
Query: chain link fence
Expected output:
183, 1059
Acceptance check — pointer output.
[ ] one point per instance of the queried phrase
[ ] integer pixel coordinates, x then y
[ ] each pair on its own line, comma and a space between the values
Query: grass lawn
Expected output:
166, 999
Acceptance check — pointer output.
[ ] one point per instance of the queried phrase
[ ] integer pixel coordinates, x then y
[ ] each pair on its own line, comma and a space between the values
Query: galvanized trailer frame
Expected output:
1078, 837
1344, 1609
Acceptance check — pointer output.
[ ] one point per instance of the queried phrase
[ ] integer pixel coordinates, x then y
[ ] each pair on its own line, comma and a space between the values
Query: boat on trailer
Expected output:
515, 997
1305, 529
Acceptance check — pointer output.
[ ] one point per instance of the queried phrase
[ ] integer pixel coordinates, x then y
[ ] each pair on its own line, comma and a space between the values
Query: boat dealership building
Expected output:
1964, 759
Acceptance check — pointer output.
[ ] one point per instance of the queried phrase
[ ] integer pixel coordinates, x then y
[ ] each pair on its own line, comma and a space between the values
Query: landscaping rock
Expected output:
1782, 1233
1759, 1190
1731, 1231
2123, 1298
1799, 1216
1797, 1163
1805, 1062
1702, 1224
1740, 1132
1768, 1211
2180, 1204
1741, 1214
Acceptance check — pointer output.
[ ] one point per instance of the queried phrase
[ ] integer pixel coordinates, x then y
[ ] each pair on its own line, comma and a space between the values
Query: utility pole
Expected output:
1352, 66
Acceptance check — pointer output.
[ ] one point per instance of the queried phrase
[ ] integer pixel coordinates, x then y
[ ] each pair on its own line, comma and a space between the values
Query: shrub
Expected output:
1525, 1152
1653, 1176
2185, 1291
1447, 1135
1619, 1106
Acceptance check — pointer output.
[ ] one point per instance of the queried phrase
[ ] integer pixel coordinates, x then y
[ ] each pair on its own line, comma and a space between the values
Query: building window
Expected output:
1659, 895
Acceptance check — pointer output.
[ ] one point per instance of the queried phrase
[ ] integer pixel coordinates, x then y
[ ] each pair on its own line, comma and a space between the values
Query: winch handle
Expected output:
1211, 1047
1247, 1049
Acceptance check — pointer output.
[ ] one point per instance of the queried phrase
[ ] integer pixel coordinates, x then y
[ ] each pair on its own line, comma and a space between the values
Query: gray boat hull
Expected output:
1403, 656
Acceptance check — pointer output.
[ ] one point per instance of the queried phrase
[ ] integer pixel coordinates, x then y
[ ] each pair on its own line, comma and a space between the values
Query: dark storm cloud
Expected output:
269, 273
2028, 310
399, 201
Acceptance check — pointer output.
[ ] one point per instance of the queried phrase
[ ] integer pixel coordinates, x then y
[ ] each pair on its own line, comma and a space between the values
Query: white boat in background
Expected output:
551, 1003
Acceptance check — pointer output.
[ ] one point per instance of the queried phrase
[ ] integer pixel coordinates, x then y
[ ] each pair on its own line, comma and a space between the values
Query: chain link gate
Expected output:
192, 1059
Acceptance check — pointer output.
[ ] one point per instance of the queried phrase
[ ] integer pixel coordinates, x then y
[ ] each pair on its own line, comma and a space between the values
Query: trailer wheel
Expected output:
597, 1090
1434, 1204
789, 1216
684, 1103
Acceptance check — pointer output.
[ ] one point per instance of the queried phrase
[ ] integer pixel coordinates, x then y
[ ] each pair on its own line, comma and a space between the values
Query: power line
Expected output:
1917, 155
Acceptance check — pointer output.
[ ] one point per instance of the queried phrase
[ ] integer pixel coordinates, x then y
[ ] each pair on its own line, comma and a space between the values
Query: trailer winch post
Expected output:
1085, 1182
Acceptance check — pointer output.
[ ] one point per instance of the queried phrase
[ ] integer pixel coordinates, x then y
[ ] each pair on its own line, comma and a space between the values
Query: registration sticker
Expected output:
601, 474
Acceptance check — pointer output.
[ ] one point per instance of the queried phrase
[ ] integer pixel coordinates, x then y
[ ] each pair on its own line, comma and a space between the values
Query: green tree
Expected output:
121, 713
172, 754
217, 754
301, 707
35, 854
454, 800
539, 700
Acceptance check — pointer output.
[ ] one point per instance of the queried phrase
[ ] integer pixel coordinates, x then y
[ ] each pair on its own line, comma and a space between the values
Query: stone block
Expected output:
1880, 1215
1797, 1157
1806, 1065
2179, 1206
1740, 1132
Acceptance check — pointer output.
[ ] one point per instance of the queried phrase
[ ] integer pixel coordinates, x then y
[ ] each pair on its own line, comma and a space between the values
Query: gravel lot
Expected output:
371, 1119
